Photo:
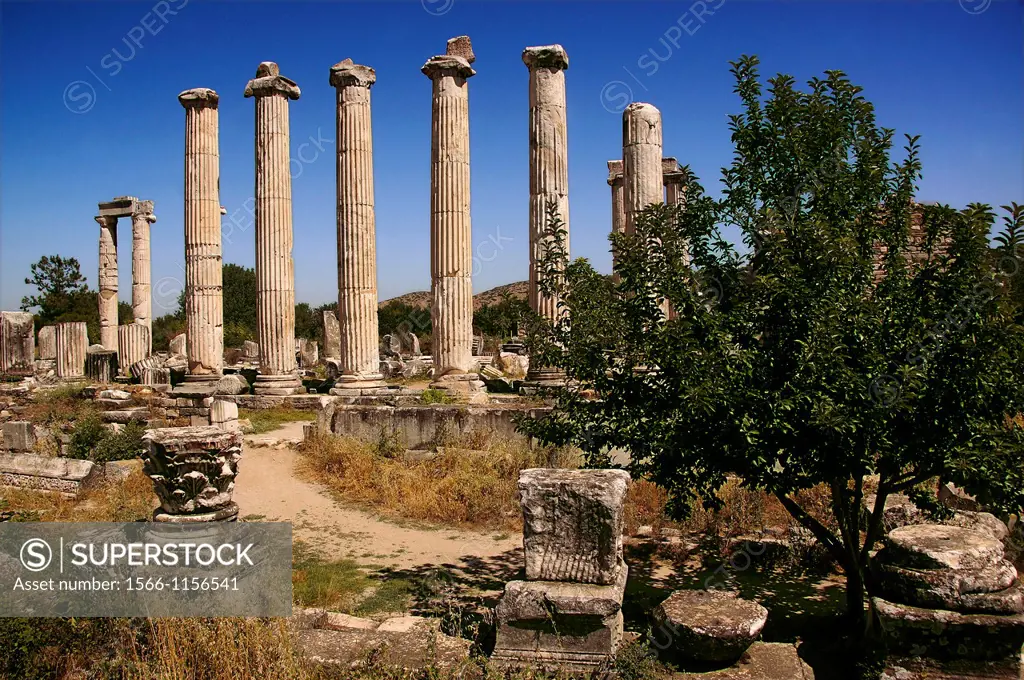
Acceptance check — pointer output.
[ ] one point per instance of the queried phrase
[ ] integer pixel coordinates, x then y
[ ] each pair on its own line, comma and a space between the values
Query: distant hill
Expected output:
421, 298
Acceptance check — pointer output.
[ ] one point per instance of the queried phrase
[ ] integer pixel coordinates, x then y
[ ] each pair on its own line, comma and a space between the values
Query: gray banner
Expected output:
145, 569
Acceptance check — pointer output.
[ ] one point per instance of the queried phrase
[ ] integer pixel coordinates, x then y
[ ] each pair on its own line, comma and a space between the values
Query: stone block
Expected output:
46, 473
223, 411
17, 343
942, 634
935, 546
233, 383
332, 335
101, 365
177, 345
193, 468
19, 436
48, 342
556, 625
114, 394
707, 625
572, 524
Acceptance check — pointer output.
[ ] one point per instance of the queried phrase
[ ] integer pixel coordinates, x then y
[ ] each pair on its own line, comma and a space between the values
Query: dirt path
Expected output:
269, 486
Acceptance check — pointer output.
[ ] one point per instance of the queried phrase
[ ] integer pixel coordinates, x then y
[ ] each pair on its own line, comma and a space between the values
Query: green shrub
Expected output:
90, 440
436, 397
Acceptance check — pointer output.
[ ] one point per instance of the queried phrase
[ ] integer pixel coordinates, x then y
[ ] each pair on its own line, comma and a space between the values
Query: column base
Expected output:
459, 383
545, 376
362, 384
229, 513
278, 385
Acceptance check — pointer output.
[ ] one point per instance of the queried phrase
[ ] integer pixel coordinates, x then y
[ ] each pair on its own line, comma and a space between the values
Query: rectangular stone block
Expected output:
223, 411
572, 524
48, 342
332, 335
30, 471
17, 342
556, 625
19, 435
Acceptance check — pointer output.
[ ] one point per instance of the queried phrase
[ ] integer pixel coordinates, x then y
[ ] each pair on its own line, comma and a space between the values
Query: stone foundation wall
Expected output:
419, 426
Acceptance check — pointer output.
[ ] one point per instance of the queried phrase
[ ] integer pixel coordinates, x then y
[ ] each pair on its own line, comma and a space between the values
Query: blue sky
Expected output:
90, 112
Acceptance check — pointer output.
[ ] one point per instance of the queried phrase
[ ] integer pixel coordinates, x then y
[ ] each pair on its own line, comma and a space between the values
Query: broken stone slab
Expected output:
64, 475
178, 344
943, 634
101, 365
936, 546
572, 524
223, 411
559, 626
763, 661
126, 416
114, 394
17, 343
48, 342
900, 511
232, 383
332, 335
19, 436
916, 668
707, 625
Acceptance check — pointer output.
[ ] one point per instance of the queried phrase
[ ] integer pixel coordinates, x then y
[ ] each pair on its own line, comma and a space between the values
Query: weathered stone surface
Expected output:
993, 591
250, 350
451, 242
193, 468
48, 342
707, 625
204, 288
17, 342
550, 624
916, 668
72, 346
232, 383
178, 344
933, 546
332, 335
572, 524
19, 435
47, 473
943, 634
309, 352
113, 394
763, 661
107, 295
142, 299
156, 377
223, 411
275, 268
641, 159
132, 345
101, 366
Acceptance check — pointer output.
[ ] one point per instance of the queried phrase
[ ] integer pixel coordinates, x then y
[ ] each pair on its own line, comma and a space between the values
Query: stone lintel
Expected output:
614, 172
461, 46
347, 73
546, 56
447, 65
120, 206
199, 96
269, 81
669, 164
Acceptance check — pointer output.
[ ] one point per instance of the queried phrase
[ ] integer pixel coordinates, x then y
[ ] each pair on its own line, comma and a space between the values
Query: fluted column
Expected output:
108, 281
549, 176
641, 160
133, 345
451, 245
72, 339
618, 203
204, 303
275, 270
359, 354
142, 300
674, 178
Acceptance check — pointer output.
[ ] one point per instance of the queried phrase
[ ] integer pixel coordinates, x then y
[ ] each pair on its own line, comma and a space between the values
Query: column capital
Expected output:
346, 73
199, 97
269, 81
447, 65
614, 173
106, 221
144, 209
546, 56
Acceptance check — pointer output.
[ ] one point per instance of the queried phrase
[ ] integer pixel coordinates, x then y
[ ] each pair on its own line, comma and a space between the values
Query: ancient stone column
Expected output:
641, 160
549, 176
48, 343
108, 281
358, 351
451, 245
72, 345
142, 300
618, 204
275, 270
204, 304
17, 342
133, 343
674, 178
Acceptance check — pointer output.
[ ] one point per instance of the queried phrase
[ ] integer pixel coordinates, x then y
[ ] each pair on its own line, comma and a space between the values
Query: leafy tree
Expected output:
502, 319
396, 316
240, 297
58, 280
791, 362
1007, 254
306, 324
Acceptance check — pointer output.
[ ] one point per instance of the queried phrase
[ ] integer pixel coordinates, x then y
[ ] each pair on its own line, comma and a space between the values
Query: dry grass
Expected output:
457, 486
265, 420
109, 501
